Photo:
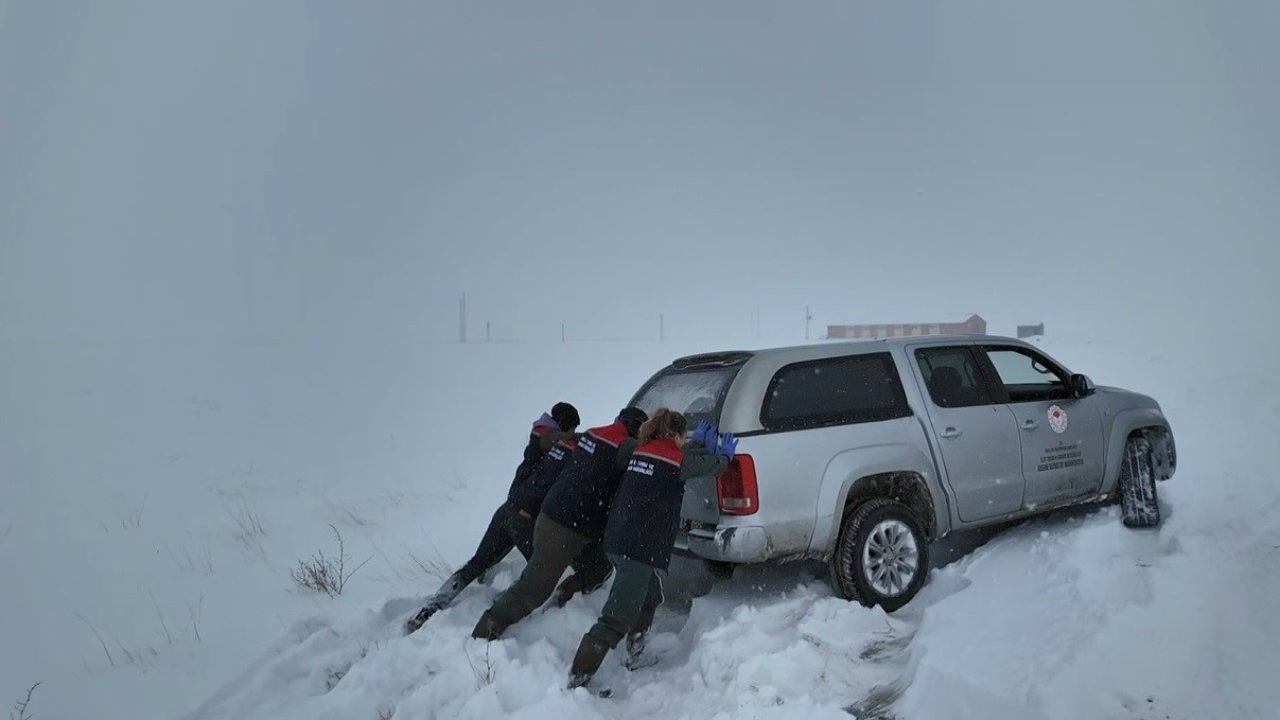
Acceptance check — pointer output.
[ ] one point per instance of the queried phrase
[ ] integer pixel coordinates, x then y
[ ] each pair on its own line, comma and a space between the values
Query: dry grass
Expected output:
325, 574
22, 708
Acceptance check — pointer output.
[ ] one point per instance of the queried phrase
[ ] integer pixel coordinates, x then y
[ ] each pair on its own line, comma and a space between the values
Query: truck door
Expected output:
976, 435
1061, 436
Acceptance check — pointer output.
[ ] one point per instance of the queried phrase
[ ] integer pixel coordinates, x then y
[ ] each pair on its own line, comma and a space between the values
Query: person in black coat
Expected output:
551, 441
570, 526
641, 531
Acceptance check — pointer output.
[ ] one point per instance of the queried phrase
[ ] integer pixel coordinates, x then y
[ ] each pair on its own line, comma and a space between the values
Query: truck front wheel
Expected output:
881, 557
1139, 506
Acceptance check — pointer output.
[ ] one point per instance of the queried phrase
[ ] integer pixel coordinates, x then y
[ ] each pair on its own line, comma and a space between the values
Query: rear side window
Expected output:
952, 376
835, 391
698, 393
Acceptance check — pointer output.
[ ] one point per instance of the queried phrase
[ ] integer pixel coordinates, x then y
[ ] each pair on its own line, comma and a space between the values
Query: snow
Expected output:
156, 497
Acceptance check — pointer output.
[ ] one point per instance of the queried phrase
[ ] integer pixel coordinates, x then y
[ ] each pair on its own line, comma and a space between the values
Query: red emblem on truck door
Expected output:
1057, 419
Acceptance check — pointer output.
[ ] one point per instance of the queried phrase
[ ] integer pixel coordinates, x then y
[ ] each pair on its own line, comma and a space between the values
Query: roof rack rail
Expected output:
722, 359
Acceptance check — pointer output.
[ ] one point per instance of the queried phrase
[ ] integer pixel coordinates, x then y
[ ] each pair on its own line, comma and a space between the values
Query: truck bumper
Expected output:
738, 544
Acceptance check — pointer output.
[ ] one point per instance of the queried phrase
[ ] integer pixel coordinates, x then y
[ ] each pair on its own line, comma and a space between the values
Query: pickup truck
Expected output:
862, 453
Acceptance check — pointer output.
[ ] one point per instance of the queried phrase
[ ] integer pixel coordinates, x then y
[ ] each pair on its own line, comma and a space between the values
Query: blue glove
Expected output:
704, 433
709, 441
728, 445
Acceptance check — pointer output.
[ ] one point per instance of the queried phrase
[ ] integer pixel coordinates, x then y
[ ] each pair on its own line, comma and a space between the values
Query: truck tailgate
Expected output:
700, 505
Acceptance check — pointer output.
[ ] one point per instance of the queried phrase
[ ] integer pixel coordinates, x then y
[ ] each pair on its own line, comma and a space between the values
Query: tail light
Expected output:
736, 487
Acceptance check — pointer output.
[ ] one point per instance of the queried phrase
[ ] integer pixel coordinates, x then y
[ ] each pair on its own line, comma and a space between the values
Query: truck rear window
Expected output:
834, 391
698, 393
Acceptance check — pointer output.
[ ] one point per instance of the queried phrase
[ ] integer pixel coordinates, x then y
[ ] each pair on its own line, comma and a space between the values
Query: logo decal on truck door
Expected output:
1057, 419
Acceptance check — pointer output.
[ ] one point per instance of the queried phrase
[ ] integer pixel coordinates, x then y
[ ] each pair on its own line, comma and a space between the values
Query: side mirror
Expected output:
1082, 386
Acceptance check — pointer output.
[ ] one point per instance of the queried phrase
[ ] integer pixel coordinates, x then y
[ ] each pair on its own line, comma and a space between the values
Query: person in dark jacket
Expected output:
551, 440
570, 527
642, 530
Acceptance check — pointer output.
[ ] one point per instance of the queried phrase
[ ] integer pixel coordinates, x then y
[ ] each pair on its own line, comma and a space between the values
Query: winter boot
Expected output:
636, 641
635, 658
571, 586
590, 654
421, 618
489, 627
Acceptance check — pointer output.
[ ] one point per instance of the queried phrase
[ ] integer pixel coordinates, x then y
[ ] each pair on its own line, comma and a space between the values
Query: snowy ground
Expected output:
153, 500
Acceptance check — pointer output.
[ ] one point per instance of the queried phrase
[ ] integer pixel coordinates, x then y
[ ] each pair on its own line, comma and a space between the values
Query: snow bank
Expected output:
743, 651
154, 500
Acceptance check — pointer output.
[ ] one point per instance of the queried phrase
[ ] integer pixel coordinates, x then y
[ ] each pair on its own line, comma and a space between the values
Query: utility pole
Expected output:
561, 332
807, 318
662, 330
486, 331
462, 319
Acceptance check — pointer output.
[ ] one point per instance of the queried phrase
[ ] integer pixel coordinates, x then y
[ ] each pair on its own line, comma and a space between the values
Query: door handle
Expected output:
1030, 425
950, 434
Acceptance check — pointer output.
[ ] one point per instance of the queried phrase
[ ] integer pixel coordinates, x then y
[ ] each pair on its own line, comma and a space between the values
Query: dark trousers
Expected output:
555, 548
633, 600
509, 528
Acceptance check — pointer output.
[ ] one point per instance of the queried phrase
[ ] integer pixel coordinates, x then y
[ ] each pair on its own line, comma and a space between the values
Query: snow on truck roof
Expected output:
823, 349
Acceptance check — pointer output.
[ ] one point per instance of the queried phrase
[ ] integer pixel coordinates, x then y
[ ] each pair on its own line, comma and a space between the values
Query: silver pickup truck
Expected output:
862, 453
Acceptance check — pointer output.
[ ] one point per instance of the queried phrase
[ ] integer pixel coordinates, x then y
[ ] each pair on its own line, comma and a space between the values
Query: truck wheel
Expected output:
1139, 505
881, 556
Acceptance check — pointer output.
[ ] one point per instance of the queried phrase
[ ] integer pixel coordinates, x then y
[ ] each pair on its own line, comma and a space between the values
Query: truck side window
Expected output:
952, 377
1027, 376
834, 391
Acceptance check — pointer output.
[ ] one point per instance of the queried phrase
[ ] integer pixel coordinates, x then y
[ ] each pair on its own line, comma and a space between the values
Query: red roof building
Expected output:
975, 325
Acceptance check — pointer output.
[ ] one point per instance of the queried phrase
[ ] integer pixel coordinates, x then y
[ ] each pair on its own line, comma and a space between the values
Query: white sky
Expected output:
248, 170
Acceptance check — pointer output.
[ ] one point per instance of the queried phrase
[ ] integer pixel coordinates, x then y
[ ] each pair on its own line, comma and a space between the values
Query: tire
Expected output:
718, 569
886, 524
1139, 505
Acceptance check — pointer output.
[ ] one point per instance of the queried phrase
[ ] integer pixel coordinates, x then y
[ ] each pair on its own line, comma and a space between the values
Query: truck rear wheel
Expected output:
881, 557
1139, 505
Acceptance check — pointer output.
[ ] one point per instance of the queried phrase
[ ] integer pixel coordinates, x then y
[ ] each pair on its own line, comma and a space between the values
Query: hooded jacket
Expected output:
528, 495
542, 436
645, 515
580, 498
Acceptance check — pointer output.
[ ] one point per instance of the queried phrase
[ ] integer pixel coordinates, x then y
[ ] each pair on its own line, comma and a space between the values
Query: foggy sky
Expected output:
248, 170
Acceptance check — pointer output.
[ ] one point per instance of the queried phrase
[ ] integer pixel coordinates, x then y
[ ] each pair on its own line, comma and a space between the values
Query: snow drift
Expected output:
173, 499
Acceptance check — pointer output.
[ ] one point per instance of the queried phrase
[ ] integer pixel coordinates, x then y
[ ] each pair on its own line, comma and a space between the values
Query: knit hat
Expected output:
632, 418
566, 416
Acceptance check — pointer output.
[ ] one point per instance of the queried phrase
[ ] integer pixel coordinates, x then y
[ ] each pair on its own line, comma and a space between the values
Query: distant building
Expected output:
1026, 331
975, 325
